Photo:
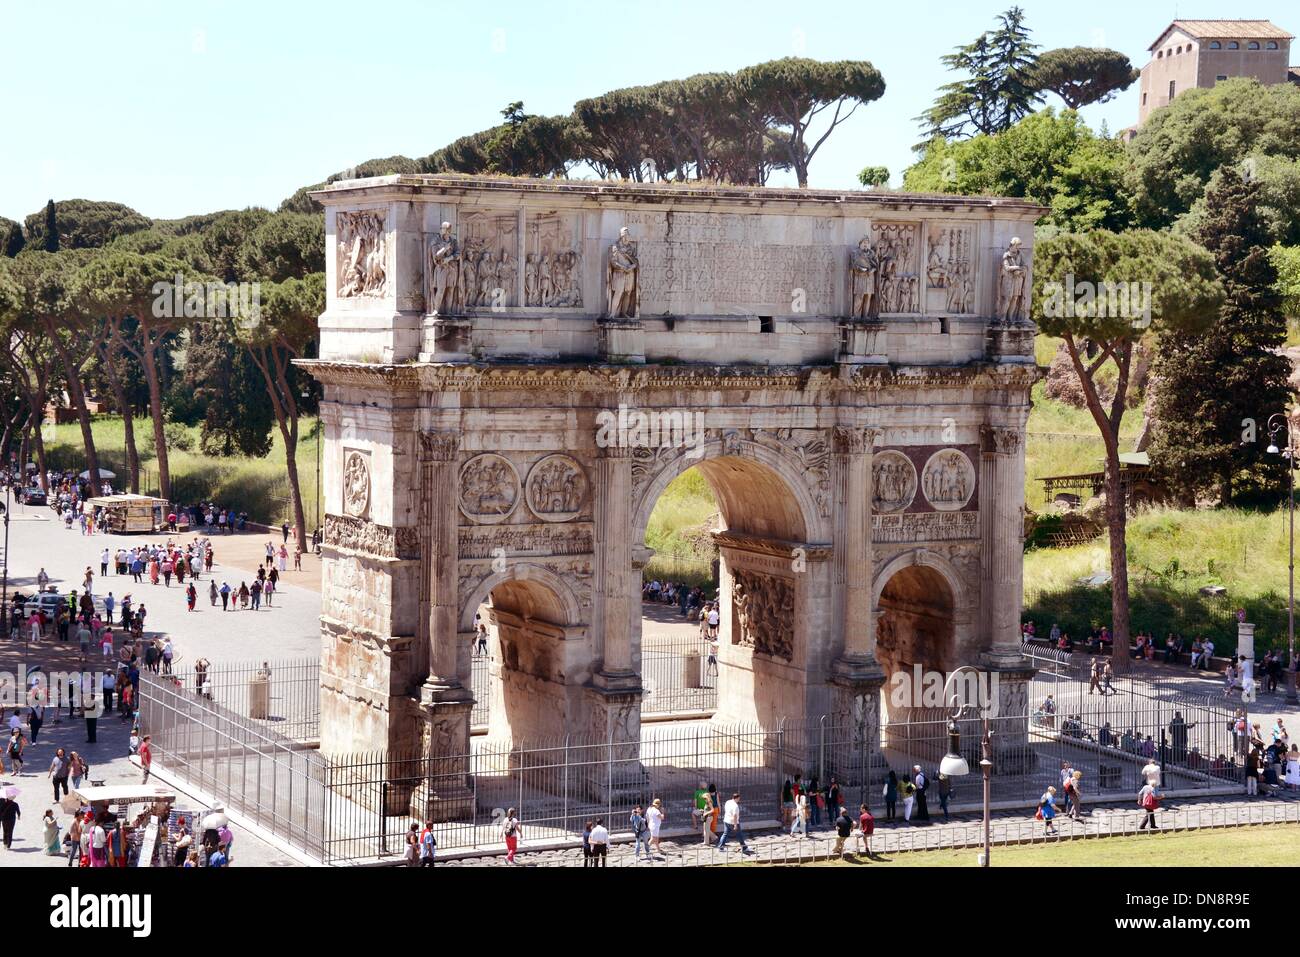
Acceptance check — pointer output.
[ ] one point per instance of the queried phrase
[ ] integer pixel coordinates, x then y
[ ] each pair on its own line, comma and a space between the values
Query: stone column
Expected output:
445, 704
852, 574
615, 590
1002, 498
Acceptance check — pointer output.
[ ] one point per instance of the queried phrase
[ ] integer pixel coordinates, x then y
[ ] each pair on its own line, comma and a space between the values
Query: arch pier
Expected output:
514, 371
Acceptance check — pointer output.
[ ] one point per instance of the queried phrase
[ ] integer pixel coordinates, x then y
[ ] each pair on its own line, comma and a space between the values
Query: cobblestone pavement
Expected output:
897, 836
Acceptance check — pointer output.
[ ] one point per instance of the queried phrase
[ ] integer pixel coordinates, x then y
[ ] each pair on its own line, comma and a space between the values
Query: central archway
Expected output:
770, 580
916, 624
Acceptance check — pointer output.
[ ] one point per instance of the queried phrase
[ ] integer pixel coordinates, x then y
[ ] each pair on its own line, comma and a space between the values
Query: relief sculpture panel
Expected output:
898, 285
489, 243
553, 262
362, 246
763, 613
949, 279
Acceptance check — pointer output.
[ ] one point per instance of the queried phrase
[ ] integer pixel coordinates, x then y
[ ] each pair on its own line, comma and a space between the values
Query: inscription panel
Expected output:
924, 527
729, 263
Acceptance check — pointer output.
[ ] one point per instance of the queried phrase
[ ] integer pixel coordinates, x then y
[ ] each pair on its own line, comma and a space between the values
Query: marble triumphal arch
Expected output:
514, 370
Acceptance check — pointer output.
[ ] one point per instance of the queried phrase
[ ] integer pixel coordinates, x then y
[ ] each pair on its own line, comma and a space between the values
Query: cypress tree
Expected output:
51, 229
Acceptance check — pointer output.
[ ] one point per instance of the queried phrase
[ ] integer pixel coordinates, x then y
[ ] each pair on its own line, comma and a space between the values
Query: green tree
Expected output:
793, 93
1050, 158
81, 224
1100, 292
11, 238
286, 330
998, 88
282, 246
1278, 197
1286, 260
128, 286
1083, 75
1213, 385
226, 385
1178, 149
874, 176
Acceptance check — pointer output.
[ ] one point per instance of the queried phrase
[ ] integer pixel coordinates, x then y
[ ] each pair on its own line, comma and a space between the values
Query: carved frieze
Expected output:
948, 480
356, 483
763, 613
489, 488
556, 488
362, 245
489, 245
924, 527
893, 481
524, 540
378, 541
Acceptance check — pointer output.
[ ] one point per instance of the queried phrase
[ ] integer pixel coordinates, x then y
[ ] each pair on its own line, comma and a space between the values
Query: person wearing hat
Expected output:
654, 819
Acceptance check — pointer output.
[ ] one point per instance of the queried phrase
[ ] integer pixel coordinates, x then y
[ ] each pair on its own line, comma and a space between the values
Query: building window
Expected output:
1160, 54
1221, 76
1144, 99
1234, 45
1216, 45
1171, 89
1178, 50
1252, 45
1271, 45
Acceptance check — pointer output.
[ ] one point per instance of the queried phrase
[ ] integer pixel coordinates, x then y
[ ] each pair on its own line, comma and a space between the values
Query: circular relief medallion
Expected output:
893, 481
356, 484
556, 488
948, 480
489, 488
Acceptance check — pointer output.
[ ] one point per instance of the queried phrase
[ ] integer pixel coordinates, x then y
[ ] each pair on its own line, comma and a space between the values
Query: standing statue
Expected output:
864, 269
1011, 286
531, 281
621, 278
444, 272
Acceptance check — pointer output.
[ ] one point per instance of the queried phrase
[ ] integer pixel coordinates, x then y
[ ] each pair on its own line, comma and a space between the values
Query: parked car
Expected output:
49, 602
32, 496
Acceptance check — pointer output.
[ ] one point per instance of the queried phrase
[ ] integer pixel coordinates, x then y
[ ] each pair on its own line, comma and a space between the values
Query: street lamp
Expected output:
954, 765
1277, 424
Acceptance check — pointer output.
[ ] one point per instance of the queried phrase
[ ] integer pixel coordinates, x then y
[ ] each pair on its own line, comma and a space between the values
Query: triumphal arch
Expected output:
514, 370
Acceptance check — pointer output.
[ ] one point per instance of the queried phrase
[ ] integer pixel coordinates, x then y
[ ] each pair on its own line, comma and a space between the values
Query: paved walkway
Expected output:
961, 830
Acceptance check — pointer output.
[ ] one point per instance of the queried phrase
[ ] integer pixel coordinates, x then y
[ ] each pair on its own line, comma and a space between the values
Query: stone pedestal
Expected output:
441, 791
862, 342
447, 340
1010, 342
621, 340
613, 752
1011, 751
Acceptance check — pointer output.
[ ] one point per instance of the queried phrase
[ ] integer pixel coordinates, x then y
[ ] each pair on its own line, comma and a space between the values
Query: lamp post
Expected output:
954, 765
1277, 424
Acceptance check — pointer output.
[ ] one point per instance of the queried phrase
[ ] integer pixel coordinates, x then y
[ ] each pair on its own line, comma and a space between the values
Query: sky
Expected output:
188, 107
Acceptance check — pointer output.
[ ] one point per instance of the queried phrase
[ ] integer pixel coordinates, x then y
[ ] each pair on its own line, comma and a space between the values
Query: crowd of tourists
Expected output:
689, 599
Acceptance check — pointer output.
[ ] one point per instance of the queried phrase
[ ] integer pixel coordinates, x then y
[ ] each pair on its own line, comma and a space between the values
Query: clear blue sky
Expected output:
179, 108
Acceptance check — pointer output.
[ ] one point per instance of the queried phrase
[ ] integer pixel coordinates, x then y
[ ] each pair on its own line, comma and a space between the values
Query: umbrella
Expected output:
103, 473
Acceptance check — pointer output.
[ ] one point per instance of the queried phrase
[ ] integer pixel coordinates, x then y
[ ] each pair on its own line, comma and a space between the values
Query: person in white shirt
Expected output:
654, 819
800, 811
731, 824
599, 839
1151, 773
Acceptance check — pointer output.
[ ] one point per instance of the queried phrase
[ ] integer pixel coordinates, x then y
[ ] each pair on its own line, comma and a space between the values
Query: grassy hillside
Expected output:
257, 486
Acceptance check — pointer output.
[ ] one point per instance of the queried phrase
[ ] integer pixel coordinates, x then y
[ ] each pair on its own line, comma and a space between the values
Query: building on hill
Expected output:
1200, 53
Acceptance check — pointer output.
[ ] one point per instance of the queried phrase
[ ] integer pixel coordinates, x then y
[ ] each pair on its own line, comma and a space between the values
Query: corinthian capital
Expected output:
439, 446
850, 440
999, 440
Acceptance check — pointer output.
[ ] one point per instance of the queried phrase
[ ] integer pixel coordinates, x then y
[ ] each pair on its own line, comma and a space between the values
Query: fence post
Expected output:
821, 749
566, 783
383, 816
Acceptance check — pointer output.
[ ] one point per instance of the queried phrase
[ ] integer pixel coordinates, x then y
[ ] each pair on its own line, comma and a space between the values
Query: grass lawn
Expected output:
257, 486
1270, 845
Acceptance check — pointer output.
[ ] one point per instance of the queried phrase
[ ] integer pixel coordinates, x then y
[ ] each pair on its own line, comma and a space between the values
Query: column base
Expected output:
615, 771
447, 340
621, 340
441, 792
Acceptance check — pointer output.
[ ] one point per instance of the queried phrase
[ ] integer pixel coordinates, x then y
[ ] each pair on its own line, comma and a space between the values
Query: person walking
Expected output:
640, 834
35, 718
9, 815
945, 792
60, 767
801, 815
73, 840
191, 596
413, 845
428, 845
890, 793
709, 814
731, 826
14, 750
843, 830
655, 820
225, 596
866, 827
77, 768
908, 790
599, 843
1149, 801
1047, 810
1072, 796
212, 592
146, 758
512, 831
922, 785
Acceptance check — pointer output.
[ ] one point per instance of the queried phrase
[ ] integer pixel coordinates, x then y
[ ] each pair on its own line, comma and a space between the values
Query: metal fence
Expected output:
678, 675
358, 807
277, 782
288, 705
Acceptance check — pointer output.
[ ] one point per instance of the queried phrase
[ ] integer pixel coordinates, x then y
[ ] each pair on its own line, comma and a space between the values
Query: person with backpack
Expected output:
511, 831
428, 845
1149, 801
